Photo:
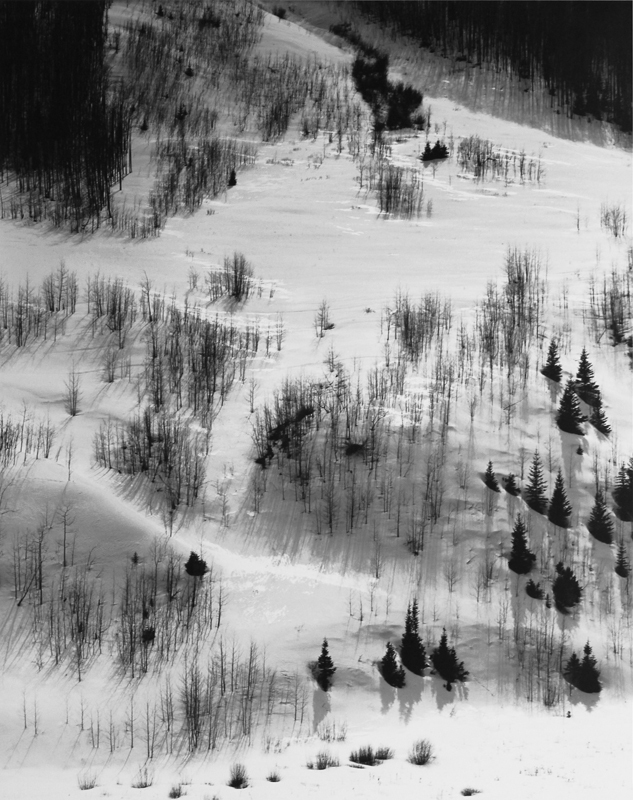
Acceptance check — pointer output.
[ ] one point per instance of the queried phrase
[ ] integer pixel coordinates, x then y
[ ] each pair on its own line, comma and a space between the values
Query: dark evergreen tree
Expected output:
232, 179
444, 660
570, 417
566, 589
572, 668
623, 492
512, 486
412, 650
535, 495
196, 566
552, 368
559, 511
490, 479
622, 562
599, 419
584, 675
585, 386
391, 671
521, 558
325, 668
600, 523
534, 590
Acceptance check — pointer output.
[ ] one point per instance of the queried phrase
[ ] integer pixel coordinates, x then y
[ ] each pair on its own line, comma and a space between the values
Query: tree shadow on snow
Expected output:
387, 696
409, 696
321, 707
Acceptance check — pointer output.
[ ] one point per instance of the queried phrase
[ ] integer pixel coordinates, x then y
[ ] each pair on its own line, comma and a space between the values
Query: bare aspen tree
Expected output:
73, 392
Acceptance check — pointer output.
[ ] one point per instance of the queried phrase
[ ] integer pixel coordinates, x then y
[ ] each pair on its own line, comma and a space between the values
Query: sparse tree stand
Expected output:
521, 557
570, 417
559, 511
391, 671
566, 589
552, 368
412, 650
490, 479
444, 660
584, 675
325, 668
535, 495
600, 524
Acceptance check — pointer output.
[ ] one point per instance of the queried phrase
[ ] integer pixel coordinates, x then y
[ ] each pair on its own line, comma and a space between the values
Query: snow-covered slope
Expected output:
312, 234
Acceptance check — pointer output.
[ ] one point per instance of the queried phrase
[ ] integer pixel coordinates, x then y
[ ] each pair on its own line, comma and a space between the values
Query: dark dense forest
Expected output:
582, 50
64, 133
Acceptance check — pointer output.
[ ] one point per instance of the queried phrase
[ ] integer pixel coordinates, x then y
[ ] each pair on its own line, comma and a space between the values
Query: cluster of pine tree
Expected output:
565, 588
413, 656
439, 150
623, 492
584, 675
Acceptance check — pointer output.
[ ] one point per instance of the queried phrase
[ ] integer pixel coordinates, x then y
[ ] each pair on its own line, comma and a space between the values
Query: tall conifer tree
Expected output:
559, 511
521, 558
535, 495
600, 523
570, 417
552, 368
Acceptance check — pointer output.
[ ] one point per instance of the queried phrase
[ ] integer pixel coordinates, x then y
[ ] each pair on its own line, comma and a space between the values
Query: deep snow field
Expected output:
282, 581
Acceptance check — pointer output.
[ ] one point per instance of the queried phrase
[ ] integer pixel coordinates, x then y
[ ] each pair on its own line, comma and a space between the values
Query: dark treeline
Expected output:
64, 136
582, 50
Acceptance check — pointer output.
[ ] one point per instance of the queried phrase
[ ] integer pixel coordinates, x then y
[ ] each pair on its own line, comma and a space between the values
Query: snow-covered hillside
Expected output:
121, 669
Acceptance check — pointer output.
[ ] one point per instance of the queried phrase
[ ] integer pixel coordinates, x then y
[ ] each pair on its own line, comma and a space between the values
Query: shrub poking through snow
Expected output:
535, 495
412, 652
273, 777
390, 670
622, 567
421, 753
87, 781
566, 589
332, 731
490, 479
521, 557
324, 760
570, 417
469, 791
445, 662
364, 755
144, 780
238, 777
559, 511
176, 790
600, 523
325, 668
584, 675
552, 368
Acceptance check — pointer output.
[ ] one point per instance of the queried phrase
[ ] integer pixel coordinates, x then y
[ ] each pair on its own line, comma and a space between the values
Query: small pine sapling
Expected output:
600, 523
559, 511
566, 589
535, 495
570, 417
552, 368
412, 650
511, 485
623, 492
196, 566
521, 557
325, 668
391, 671
534, 590
622, 567
490, 479
444, 660
599, 419
584, 385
